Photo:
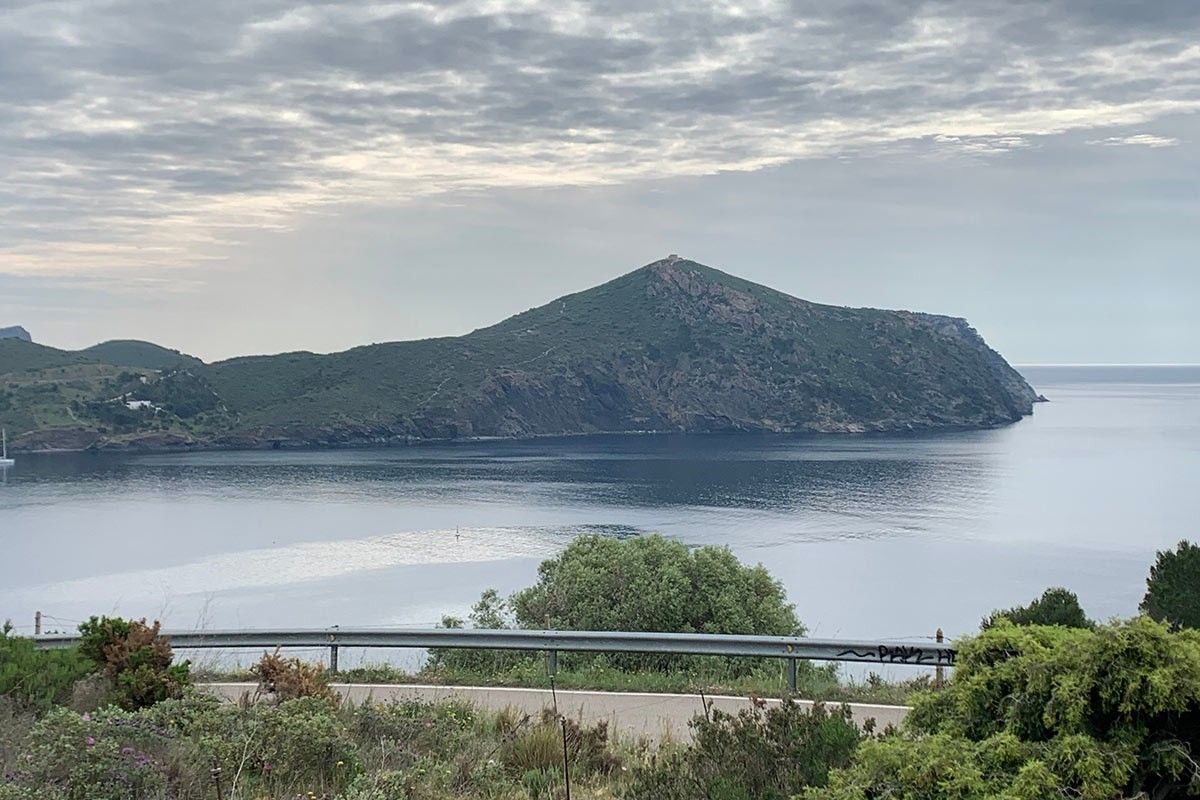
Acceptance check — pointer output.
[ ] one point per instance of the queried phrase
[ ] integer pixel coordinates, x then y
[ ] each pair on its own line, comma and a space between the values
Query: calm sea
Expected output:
872, 536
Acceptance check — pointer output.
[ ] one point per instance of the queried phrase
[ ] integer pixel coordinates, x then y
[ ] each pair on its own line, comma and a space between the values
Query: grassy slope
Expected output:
17, 355
135, 353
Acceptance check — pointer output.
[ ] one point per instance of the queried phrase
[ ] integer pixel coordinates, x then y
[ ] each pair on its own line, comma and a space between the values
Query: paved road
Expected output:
630, 713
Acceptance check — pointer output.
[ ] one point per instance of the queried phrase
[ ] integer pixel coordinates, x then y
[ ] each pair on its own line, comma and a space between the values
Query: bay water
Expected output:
872, 536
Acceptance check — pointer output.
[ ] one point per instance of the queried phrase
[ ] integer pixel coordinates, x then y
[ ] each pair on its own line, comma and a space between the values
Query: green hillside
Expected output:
673, 346
18, 355
134, 353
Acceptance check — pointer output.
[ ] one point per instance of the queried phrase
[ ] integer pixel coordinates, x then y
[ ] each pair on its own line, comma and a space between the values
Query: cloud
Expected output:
1138, 139
138, 135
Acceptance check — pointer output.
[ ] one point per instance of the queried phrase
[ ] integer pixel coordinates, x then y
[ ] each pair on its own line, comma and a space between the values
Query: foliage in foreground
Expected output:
1037, 712
281, 678
766, 755
198, 747
1173, 588
38, 679
135, 658
1056, 606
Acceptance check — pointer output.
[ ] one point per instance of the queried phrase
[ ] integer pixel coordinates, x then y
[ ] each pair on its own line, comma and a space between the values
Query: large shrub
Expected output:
1036, 712
652, 583
38, 679
649, 583
1173, 588
1056, 606
281, 679
764, 755
136, 658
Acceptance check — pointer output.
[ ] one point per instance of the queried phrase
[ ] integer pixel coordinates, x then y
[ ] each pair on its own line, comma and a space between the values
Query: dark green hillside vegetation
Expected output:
674, 346
133, 353
18, 355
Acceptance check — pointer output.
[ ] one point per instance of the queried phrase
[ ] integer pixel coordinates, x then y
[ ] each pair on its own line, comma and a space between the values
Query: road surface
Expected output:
629, 713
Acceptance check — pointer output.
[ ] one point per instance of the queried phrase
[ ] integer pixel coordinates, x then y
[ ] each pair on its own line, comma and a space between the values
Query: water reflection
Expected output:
870, 534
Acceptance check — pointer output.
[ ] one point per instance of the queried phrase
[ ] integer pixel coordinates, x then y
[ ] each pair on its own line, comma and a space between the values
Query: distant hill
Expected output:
673, 346
22, 354
15, 332
134, 353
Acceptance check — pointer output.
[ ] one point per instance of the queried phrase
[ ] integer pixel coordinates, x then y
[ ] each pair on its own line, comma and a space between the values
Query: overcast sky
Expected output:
238, 176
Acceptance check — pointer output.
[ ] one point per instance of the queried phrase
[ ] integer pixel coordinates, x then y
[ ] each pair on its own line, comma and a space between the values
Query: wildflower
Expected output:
91, 740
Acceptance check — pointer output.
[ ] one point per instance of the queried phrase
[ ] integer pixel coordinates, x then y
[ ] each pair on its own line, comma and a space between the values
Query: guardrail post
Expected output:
792, 665
551, 663
332, 635
939, 675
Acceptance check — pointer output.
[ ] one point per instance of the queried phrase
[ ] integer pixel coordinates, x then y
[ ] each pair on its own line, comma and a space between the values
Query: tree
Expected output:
1035, 712
652, 583
648, 583
1056, 606
1173, 588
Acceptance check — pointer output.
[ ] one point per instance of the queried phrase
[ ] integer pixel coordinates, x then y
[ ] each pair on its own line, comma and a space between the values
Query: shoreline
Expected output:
136, 448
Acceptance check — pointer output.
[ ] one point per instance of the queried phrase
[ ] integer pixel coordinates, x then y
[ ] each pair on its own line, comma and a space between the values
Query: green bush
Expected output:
1173, 588
304, 742
38, 679
1036, 712
411, 730
647, 583
753, 755
136, 658
92, 759
1056, 606
651, 583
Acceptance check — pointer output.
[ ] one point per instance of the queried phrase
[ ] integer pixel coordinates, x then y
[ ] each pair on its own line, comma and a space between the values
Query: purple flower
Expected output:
91, 740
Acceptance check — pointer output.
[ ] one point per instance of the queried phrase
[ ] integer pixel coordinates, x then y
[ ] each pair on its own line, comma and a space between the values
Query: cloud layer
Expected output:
138, 134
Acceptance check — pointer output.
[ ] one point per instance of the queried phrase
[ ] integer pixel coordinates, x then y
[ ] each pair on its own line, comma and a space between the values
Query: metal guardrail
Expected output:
791, 648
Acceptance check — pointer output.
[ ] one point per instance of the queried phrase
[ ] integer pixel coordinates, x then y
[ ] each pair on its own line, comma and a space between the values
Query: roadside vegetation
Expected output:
1042, 703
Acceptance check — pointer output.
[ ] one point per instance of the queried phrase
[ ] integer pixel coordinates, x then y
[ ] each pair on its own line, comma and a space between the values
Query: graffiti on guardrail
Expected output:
905, 654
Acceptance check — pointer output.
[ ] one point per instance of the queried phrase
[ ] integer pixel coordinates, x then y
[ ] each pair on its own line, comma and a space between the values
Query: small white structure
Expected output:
5, 461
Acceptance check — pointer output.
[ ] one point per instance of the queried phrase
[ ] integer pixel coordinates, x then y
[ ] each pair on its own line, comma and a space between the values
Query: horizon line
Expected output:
1109, 364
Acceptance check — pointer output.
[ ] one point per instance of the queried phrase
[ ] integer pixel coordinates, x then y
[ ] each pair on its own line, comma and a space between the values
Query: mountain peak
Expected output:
15, 332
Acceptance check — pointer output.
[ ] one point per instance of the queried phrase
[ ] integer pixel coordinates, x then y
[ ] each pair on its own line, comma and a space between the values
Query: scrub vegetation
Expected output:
1070, 708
